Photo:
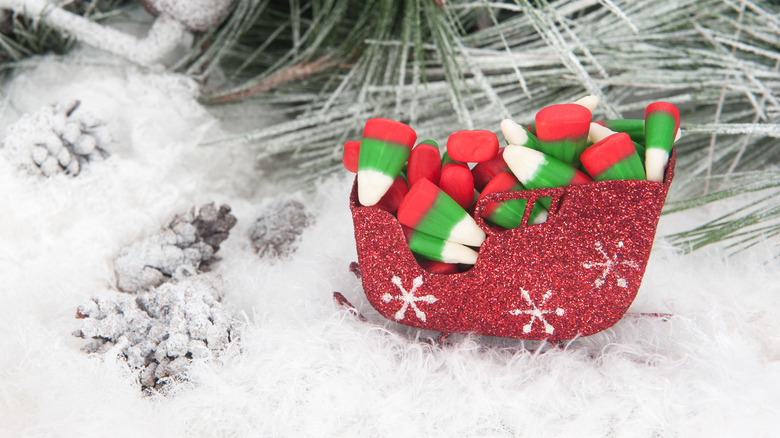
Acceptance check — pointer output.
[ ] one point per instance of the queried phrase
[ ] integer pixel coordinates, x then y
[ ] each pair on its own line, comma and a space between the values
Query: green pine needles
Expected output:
22, 37
444, 66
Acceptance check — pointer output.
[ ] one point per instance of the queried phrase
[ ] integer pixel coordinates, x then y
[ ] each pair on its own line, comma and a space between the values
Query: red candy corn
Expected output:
485, 171
435, 267
472, 146
395, 194
424, 162
456, 180
351, 155
614, 157
563, 131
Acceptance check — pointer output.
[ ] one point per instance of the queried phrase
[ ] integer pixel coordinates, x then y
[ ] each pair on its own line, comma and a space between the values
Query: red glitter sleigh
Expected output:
574, 275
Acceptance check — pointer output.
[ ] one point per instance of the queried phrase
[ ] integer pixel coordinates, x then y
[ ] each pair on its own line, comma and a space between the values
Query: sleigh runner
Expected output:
574, 275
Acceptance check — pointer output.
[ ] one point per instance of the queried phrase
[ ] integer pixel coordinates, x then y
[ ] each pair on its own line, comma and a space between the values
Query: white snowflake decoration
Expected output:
537, 312
608, 265
408, 298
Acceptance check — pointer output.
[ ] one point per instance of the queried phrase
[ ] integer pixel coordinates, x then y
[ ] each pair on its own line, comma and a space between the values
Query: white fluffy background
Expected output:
308, 368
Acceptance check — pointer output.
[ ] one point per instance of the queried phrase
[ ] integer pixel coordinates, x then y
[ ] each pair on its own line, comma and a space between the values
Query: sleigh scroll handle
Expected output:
531, 196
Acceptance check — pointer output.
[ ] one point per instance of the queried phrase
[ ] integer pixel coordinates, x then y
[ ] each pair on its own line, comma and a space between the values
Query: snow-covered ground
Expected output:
306, 366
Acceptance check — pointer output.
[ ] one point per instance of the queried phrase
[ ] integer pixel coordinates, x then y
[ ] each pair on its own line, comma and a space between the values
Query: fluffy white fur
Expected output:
309, 368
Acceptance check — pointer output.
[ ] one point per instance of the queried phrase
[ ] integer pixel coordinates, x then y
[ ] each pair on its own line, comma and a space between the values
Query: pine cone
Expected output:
275, 233
56, 139
159, 332
184, 248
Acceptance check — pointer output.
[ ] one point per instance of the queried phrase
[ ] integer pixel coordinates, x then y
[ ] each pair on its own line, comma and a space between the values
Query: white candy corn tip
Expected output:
542, 217
372, 185
457, 253
677, 137
596, 133
467, 232
655, 164
513, 133
590, 102
524, 162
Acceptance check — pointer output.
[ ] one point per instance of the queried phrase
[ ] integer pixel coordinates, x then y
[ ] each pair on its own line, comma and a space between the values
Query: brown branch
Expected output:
297, 72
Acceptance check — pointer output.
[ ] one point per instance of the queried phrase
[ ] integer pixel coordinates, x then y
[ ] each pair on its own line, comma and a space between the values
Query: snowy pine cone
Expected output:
183, 248
276, 231
160, 332
56, 139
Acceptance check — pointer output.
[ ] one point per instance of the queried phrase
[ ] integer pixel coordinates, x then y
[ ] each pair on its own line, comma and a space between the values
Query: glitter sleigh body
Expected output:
574, 275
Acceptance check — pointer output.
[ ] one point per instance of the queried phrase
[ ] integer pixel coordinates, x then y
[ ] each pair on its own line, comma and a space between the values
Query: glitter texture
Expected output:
575, 274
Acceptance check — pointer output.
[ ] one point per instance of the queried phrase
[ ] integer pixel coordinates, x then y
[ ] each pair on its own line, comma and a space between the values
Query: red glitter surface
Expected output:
575, 274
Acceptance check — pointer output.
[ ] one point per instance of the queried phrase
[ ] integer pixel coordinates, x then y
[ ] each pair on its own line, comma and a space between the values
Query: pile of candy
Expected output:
563, 147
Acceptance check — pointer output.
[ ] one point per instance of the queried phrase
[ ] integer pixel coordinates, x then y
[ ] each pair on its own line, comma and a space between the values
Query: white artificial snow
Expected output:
308, 367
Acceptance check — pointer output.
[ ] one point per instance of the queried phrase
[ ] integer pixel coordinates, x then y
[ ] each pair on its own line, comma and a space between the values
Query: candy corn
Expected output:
562, 131
662, 121
424, 162
633, 127
472, 146
458, 182
438, 249
614, 157
485, 171
509, 214
598, 132
537, 170
395, 194
384, 149
428, 209
517, 135
351, 155
590, 102
435, 267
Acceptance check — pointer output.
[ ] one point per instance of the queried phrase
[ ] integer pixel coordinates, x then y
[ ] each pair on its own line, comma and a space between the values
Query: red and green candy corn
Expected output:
509, 214
440, 250
424, 162
384, 149
614, 157
562, 131
590, 102
662, 121
514, 134
633, 127
428, 209
472, 146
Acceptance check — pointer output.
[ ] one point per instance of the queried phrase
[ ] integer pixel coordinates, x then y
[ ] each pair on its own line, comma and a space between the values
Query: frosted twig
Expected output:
163, 36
